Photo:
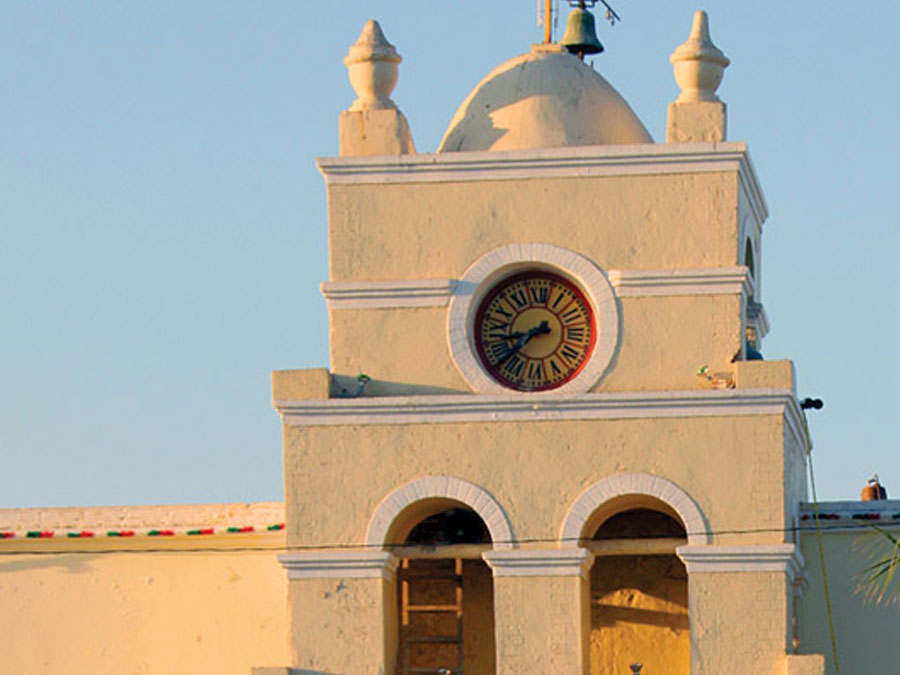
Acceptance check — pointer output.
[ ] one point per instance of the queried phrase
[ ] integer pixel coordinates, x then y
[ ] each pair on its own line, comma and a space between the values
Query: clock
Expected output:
534, 331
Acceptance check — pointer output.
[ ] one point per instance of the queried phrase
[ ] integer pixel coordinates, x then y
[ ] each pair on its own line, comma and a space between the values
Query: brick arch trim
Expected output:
634, 484
443, 487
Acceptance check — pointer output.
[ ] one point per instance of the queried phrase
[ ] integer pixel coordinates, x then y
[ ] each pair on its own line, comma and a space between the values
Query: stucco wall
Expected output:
336, 476
866, 632
639, 614
739, 622
139, 604
660, 348
414, 231
436, 230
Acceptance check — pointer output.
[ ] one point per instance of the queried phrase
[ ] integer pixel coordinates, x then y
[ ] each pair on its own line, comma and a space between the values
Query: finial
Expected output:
372, 68
698, 63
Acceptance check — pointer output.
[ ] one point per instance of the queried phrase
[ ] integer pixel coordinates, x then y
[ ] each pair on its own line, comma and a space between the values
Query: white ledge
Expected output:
563, 562
695, 281
382, 294
579, 161
538, 407
886, 508
744, 559
626, 283
339, 565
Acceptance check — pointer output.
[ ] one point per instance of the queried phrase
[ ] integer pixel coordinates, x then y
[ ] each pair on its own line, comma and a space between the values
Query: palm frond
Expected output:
879, 582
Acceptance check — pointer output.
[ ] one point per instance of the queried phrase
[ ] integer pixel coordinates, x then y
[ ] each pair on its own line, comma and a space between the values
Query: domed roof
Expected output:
544, 99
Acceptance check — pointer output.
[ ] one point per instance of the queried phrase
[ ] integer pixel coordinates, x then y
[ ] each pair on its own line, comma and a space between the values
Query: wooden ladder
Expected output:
424, 573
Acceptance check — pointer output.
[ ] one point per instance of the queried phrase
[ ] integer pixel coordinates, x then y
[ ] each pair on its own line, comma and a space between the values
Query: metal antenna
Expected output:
611, 15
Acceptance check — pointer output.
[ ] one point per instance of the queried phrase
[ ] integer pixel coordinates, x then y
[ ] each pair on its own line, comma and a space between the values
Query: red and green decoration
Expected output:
155, 532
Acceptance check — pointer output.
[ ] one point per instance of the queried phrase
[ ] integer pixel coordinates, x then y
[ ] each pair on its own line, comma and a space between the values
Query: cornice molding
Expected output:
81, 541
387, 294
625, 283
578, 161
690, 281
886, 509
537, 407
339, 565
764, 558
562, 562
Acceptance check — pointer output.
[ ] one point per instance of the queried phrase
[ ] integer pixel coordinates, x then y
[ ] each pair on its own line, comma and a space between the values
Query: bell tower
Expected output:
565, 455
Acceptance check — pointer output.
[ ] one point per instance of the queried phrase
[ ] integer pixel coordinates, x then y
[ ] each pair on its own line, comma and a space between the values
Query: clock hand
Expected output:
543, 328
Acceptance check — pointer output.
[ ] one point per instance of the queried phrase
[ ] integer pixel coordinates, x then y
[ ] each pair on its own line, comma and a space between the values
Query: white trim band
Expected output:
578, 161
387, 294
693, 281
563, 562
626, 283
339, 565
745, 559
539, 407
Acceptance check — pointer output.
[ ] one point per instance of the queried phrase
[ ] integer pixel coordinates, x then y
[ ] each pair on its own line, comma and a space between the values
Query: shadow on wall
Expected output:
72, 563
610, 615
527, 90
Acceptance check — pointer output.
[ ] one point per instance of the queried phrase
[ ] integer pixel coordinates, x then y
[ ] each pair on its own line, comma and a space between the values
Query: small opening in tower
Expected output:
748, 258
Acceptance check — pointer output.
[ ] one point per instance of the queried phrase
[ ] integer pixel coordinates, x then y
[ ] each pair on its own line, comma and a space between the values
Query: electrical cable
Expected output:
812, 481
836, 528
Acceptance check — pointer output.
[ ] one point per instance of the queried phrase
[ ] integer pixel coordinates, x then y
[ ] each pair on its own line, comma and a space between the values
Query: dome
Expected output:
545, 99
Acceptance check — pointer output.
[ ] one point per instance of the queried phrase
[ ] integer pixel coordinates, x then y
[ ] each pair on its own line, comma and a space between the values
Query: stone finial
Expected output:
372, 68
698, 63
697, 115
373, 125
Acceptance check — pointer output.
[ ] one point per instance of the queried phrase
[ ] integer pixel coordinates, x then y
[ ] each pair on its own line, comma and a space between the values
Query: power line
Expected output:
828, 527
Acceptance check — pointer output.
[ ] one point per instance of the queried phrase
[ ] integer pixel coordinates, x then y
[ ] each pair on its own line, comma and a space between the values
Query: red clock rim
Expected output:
507, 281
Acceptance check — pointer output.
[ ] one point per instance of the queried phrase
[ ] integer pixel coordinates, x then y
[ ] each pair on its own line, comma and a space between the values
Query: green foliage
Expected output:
880, 581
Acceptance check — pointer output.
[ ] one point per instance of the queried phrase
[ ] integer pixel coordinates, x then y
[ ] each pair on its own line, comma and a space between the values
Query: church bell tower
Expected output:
566, 454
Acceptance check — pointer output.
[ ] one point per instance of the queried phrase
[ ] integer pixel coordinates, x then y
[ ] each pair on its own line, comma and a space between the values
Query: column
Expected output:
541, 610
740, 606
343, 609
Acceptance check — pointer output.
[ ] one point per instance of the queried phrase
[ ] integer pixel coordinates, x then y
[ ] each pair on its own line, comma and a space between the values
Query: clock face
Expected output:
534, 331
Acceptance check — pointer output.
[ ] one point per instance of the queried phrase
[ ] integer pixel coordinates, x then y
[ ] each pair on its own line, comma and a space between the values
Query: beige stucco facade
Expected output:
142, 603
667, 416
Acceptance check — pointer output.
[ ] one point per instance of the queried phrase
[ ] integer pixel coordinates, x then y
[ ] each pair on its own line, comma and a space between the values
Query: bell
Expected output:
581, 33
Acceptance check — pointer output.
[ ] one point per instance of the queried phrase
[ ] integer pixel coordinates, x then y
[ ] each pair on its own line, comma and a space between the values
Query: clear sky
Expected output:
163, 232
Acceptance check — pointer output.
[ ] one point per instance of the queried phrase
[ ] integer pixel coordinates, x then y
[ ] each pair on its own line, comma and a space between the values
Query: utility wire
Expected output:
836, 528
812, 481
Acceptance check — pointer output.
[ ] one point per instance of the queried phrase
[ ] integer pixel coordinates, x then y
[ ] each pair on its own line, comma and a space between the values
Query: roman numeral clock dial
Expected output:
534, 331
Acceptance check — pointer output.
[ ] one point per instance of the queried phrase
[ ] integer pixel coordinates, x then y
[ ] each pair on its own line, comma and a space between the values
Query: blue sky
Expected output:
163, 232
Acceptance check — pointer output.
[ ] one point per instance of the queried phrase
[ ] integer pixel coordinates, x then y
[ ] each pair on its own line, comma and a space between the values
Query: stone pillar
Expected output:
541, 610
740, 606
697, 115
343, 610
373, 125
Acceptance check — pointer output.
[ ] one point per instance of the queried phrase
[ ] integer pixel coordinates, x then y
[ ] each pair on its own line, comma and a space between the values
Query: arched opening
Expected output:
639, 592
445, 593
748, 257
